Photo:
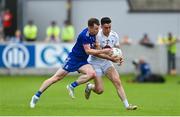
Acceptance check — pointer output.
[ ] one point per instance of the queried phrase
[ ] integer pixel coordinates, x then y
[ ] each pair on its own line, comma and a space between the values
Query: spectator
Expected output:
7, 18
17, 38
171, 52
30, 31
68, 32
126, 40
160, 40
145, 74
53, 32
145, 41
144, 69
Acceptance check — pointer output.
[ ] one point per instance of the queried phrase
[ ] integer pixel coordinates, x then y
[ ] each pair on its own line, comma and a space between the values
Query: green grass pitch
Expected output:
152, 99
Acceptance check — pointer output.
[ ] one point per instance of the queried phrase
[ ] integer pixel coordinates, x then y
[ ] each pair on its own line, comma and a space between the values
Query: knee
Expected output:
92, 74
99, 90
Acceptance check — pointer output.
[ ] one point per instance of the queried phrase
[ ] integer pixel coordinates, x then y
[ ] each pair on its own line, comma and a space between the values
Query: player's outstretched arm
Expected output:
95, 52
108, 57
115, 59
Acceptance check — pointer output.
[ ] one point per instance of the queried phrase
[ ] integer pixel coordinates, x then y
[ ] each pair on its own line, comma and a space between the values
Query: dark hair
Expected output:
30, 22
53, 23
105, 20
93, 21
67, 22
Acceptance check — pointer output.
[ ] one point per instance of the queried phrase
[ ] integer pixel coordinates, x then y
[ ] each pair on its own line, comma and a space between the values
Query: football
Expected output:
117, 52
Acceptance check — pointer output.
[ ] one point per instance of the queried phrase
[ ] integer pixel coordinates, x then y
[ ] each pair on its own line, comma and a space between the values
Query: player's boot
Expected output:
71, 91
34, 100
87, 91
132, 107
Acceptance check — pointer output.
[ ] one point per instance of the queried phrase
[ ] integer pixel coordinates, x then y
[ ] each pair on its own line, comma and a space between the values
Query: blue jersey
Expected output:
78, 57
83, 38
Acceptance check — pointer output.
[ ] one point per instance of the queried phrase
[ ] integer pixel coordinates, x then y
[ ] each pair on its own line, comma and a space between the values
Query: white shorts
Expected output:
101, 68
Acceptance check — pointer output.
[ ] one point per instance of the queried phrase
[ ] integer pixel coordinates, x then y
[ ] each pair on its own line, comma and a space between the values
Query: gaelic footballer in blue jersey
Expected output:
78, 56
76, 61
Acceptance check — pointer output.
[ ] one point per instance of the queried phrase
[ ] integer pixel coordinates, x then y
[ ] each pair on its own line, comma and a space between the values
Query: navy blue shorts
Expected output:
73, 64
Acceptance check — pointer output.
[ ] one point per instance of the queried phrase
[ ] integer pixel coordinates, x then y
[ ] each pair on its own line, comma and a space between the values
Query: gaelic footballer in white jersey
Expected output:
107, 39
101, 65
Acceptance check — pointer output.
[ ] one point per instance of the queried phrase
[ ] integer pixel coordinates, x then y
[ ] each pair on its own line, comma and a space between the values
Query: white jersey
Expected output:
112, 40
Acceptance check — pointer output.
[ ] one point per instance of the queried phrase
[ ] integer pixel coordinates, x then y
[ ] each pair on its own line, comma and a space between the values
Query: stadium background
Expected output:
45, 58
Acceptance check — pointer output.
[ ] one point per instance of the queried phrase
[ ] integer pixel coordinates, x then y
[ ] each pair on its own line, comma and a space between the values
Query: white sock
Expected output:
91, 86
126, 104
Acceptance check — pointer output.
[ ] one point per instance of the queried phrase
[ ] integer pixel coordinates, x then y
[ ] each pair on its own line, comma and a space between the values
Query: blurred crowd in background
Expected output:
30, 31
54, 33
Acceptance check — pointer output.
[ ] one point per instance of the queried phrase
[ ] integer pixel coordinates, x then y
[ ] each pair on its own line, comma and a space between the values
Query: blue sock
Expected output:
38, 94
74, 84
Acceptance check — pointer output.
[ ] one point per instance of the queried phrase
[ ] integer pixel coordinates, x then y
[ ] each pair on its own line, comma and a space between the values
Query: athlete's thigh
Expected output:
112, 74
106, 65
61, 73
98, 79
98, 83
87, 68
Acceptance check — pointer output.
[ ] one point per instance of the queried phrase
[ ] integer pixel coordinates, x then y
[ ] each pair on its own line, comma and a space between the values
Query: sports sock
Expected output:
38, 94
74, 84
126, 104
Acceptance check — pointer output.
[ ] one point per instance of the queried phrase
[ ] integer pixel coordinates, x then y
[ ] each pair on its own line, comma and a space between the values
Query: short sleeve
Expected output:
85, 39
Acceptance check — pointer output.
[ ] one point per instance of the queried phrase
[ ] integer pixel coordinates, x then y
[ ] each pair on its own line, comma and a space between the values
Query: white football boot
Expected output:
87, 91
34, 100
71, 91
132, 107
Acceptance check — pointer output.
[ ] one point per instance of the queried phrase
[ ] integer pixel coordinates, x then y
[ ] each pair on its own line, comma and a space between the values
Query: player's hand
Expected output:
115, 59
107, 51
120, 61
